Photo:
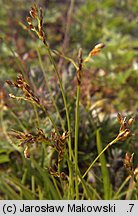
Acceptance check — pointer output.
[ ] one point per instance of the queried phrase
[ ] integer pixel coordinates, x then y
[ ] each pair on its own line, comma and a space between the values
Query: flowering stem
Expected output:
76, 140
67, 116
49, 89
63, 94
106, 147
36, 113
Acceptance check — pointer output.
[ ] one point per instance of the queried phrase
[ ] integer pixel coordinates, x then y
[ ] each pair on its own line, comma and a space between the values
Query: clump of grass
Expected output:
65, 176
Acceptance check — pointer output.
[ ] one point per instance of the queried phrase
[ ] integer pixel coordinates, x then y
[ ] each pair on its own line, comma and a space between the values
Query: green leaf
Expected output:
105, 173
49, 188
26, 193
4, 158
8, 190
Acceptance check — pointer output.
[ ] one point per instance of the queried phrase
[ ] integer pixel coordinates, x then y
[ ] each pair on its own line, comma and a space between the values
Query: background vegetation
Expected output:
109, 85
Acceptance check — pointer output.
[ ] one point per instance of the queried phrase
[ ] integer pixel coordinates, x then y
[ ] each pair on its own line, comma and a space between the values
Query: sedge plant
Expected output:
66, 148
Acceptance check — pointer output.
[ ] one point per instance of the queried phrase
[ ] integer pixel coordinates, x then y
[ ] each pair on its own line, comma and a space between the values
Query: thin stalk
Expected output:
43, 154
61, 88
62, 91
40, 194
105, 173
24, 177
116, 196
23, 181
33, 184
49, 89
71, 187
36, 114
57, 189
67, 31
76, 140
58, 167
106, 147
71, 181
69, 18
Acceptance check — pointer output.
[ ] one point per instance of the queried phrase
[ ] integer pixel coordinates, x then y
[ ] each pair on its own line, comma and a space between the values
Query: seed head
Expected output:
124, 131
97, 49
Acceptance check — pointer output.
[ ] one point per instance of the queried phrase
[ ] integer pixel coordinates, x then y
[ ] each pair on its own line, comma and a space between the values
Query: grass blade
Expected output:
104, 169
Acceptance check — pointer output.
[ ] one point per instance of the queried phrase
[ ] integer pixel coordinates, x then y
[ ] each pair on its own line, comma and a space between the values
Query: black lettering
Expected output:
97, 208
37, 209
51, 208
43, 208
28, 208
132, 205
59, 208
78, 209
83, 208
8, 209
22, 210
111, 208
89, 208
71, 208
105, 208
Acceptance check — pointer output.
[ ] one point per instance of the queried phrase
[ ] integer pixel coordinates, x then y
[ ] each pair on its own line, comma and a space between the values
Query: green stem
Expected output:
116, 196
40, 194
57, 189
106, 147
49, 89
76, 140
67, 116
33, 185
23, 181
36, 114
62, 90
24, 177
50, 118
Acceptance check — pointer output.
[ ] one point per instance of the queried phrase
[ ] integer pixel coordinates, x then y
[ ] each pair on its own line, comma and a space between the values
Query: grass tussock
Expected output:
59, 139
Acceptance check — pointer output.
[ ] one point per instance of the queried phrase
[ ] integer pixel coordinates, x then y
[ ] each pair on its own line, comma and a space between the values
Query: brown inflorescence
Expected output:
124, 131
27, 139
20, 83
55, 173
59, 143
128, 161
128, 164
97, 49
37, 14
56, 141
34, 11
